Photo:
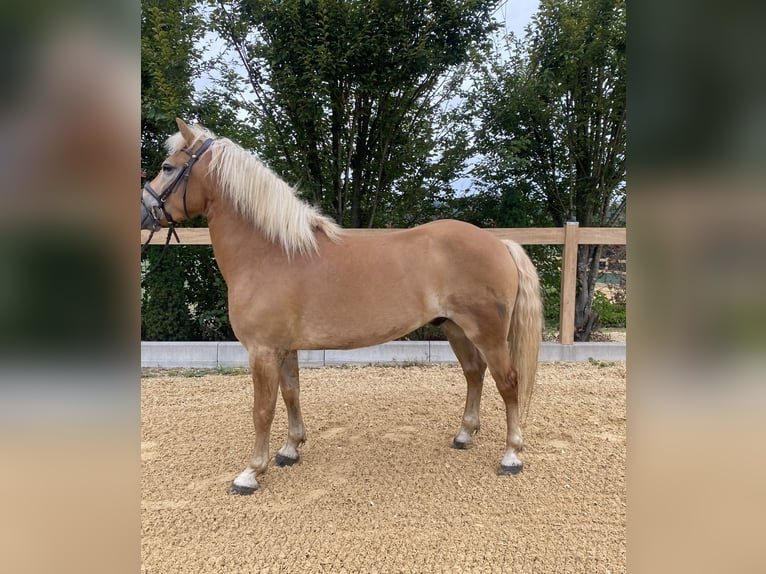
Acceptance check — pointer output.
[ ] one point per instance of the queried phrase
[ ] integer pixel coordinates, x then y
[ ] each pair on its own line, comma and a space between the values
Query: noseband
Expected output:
161, 198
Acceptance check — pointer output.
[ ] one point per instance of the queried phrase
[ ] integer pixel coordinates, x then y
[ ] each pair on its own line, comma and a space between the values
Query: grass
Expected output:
601, 364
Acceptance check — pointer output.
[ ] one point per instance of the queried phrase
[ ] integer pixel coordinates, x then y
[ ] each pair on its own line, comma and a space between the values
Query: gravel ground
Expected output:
378, 488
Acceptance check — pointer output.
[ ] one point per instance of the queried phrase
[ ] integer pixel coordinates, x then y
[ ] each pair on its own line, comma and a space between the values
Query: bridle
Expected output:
161, 198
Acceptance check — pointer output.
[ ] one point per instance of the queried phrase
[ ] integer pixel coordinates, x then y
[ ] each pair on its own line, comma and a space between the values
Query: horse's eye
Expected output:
167, 168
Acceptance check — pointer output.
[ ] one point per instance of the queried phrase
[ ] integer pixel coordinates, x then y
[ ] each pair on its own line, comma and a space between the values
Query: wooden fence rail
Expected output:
570, 236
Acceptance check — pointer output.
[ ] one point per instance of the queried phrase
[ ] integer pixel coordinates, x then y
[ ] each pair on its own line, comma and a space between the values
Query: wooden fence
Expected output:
570, 236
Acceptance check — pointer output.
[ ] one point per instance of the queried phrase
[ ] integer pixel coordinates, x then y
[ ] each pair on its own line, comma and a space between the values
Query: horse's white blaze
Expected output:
246, 479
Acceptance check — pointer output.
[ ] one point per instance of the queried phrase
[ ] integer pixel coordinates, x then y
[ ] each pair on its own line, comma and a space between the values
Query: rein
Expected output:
171, 233
163, 197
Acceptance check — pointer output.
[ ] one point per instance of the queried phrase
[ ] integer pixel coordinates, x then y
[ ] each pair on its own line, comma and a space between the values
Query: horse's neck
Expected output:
232, 235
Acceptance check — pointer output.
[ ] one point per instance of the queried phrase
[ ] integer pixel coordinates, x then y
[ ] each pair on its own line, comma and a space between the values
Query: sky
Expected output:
517, 14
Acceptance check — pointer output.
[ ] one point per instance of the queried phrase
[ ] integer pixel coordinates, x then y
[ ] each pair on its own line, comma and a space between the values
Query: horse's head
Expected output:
179, 191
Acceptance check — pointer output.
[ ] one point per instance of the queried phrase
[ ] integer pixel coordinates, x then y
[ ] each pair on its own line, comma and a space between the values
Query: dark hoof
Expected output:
280, 460
241, 490
460, 445
506, 470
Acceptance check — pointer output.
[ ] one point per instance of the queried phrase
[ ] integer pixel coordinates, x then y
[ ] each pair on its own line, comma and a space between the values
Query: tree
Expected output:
552, 125
346, 95
170, 30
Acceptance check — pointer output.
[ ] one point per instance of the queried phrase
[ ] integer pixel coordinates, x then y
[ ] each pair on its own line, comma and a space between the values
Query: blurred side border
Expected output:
69, 312
696, 311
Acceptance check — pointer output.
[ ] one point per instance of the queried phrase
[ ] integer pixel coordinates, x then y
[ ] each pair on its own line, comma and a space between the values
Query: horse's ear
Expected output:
185, 131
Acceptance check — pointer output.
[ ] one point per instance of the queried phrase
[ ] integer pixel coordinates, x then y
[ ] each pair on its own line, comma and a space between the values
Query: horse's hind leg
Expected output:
296, 433
506, 379
474, 367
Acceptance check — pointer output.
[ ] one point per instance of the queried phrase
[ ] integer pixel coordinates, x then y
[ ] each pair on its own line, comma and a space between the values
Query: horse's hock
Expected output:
378, 487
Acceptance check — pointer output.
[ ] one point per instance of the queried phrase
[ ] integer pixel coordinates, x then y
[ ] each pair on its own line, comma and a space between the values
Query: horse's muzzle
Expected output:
149, 219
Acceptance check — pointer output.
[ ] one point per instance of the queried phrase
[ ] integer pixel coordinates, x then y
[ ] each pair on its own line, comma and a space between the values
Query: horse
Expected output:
297, 281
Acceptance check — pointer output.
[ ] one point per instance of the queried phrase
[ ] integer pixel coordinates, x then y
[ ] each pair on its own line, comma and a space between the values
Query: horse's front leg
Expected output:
266, 366
296, 432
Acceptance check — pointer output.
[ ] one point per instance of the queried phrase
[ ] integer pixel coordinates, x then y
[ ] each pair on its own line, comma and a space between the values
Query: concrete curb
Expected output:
211, 355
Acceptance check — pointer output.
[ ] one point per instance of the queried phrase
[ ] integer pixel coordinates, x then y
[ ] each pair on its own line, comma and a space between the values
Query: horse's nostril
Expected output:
149, 217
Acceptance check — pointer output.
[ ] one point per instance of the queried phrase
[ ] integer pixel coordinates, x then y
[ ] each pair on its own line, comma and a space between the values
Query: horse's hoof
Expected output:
460, 445
280, 460
508, 470
241, 490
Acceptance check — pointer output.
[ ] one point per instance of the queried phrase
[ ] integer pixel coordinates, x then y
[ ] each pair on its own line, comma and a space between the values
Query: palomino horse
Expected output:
296, 281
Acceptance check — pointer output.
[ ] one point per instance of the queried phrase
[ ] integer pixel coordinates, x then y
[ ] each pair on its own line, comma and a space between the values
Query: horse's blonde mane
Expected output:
261, 195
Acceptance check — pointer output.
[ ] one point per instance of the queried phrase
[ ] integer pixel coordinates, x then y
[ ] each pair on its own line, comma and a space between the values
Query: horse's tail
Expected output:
525, 334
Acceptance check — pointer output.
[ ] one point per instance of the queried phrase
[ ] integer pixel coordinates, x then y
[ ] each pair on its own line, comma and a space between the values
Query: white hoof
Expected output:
245, 483
511, 464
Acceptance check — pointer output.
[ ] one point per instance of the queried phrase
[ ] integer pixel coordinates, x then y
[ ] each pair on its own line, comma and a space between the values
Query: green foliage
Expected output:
164, 306
184, 296
551, 130
427, 332
601, 364
611, 314
169, 62
547, 260
553, 115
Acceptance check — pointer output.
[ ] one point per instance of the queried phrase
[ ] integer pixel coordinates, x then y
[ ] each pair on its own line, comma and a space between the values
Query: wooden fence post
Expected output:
568, 283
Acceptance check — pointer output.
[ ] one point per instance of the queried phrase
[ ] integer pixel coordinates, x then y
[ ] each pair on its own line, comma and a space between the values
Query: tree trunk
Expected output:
586, 319
314, 166
336, 126
359, 160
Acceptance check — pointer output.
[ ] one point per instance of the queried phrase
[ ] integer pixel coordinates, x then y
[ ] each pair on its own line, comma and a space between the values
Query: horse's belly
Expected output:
355, 326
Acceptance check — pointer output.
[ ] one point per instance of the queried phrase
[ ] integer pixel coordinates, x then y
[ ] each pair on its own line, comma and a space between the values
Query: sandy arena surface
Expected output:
378, 488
